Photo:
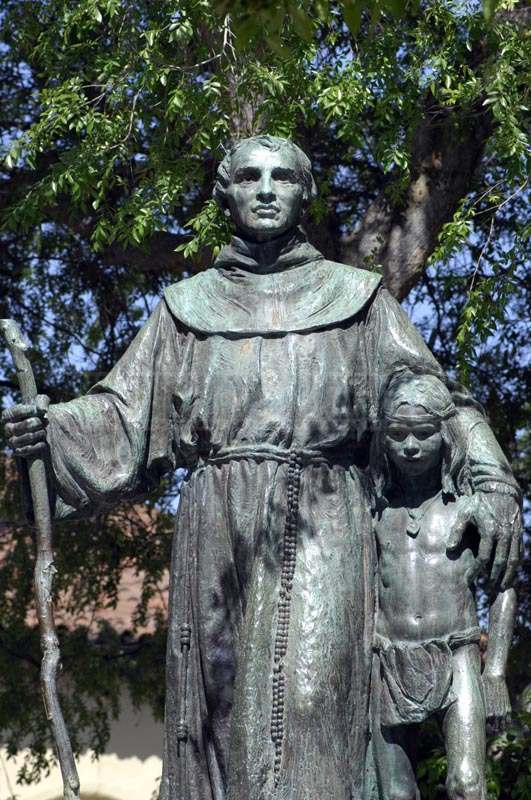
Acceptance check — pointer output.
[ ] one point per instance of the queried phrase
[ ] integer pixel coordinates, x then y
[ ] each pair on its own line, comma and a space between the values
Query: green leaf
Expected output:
489, 7
302, 24
396, 7
352, 14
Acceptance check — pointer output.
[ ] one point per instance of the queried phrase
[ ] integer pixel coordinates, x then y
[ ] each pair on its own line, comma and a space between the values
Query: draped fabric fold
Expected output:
241, 296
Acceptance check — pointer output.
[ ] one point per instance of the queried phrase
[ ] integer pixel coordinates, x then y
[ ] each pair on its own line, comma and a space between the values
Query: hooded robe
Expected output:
263, 381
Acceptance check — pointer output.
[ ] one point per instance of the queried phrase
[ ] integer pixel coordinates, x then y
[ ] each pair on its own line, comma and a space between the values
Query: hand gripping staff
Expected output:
44, 572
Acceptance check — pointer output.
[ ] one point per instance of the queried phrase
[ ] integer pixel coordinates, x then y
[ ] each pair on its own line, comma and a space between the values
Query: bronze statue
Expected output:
262, 376
427, 659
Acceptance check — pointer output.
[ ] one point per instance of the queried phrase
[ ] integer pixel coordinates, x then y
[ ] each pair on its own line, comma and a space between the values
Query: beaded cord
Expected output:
289, 555
182, 725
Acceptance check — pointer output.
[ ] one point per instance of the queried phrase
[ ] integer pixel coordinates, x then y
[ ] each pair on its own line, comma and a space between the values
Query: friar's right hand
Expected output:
25, 427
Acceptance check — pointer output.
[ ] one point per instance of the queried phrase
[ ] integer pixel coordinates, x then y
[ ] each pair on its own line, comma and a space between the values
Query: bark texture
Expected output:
446, 150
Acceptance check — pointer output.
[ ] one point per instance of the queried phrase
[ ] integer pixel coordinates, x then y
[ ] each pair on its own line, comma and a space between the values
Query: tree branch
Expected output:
158, 255
446, 150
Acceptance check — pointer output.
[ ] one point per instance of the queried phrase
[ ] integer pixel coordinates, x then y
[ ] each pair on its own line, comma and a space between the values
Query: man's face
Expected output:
413, 446
266, 194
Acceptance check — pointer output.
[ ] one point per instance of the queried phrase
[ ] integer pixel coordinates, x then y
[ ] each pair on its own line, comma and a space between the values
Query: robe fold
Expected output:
264, 384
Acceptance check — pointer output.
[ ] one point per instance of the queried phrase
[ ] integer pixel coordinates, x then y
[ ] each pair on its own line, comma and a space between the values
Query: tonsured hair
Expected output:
274, 143
433, 396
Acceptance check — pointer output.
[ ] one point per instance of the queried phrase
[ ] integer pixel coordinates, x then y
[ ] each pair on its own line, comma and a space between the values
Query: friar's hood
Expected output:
255, 289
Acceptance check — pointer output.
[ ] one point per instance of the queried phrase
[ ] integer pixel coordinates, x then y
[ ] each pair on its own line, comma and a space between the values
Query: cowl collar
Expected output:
254, 290
264, 258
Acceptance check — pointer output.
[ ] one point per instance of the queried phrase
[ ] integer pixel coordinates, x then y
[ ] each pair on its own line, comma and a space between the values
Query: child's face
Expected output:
414, 446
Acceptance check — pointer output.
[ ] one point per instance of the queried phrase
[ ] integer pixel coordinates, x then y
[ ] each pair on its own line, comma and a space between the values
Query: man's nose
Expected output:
265, 188
411, 446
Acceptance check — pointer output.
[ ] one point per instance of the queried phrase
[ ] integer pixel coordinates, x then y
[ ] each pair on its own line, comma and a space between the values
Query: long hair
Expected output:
429, 392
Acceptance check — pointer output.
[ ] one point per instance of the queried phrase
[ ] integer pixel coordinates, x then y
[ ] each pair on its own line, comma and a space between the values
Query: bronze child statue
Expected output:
427, 658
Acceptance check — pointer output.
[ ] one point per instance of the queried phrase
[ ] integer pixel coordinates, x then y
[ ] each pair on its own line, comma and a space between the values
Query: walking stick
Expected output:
44, 572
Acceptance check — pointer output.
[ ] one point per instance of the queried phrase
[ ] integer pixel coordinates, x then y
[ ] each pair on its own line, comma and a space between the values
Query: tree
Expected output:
115, 116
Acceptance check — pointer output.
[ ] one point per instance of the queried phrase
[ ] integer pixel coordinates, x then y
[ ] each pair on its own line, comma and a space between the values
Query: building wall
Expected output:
129, 770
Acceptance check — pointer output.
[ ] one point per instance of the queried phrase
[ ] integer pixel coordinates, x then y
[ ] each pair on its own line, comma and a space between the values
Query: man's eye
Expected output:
284, 176
246, 177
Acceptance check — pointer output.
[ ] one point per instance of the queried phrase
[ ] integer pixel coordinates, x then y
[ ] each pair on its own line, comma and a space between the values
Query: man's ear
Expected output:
306, 202
310, 193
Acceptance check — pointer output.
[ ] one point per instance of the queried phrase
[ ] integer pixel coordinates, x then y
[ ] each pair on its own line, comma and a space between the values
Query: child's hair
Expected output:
429, 392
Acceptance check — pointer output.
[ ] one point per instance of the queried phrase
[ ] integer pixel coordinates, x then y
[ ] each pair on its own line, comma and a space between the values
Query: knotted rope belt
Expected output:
305, 455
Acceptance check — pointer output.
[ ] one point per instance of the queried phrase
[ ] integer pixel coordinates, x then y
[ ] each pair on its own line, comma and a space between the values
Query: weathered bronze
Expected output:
427, 659
263, 376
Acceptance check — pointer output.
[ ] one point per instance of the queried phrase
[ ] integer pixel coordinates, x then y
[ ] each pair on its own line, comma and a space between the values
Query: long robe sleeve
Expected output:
118, 440
399, 346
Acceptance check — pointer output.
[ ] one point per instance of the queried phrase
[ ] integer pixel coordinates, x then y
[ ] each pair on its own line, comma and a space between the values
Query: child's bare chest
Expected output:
423, 587
424, 530
409, 551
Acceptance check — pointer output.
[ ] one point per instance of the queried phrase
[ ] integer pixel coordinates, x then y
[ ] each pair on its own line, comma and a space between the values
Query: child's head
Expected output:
417, 433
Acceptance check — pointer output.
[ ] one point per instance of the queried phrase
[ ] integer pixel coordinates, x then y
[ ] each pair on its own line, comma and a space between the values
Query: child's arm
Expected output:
501, 623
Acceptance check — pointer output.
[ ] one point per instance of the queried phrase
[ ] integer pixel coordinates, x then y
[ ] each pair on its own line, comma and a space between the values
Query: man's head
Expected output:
264, 184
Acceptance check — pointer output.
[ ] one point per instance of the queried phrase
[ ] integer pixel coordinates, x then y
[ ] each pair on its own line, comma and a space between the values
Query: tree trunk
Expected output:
446, 150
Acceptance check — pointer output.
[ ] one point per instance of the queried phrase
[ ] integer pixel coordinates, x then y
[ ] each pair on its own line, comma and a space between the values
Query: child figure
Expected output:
427, 659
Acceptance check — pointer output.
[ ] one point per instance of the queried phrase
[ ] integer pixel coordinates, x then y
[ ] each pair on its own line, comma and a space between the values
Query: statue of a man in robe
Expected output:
261, 376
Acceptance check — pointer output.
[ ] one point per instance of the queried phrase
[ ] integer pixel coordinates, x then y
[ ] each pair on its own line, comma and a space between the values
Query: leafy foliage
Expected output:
508, 775
115, 115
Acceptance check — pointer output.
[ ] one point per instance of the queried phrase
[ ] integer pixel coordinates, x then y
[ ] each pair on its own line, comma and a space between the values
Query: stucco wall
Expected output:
129, 770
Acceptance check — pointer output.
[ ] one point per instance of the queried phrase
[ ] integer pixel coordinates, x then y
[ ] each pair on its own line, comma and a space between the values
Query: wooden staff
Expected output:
44, 572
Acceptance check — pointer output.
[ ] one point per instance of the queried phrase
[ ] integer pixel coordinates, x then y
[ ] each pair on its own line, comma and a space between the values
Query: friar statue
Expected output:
261, 375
